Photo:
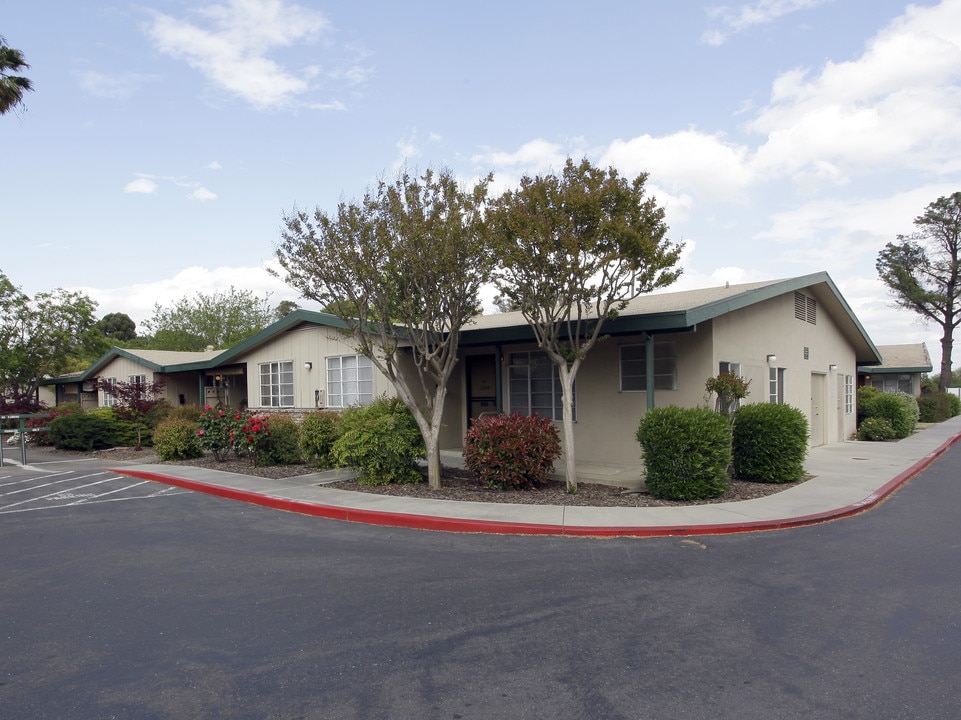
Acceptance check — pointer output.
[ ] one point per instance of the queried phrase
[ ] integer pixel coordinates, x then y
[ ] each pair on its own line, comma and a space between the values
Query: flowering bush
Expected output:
730, 390
219, 430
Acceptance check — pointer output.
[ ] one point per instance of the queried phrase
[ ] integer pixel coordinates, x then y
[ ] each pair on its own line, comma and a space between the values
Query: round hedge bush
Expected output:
318, 433
900, 409
687, 452
382, 441
769, 443
512, 452
176, 439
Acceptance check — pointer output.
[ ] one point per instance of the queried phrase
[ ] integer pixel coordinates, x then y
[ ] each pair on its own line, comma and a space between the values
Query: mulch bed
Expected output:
464, 486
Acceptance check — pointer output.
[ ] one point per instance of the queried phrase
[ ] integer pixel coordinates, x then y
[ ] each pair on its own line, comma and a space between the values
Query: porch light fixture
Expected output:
308, 365
832, 367
771, 359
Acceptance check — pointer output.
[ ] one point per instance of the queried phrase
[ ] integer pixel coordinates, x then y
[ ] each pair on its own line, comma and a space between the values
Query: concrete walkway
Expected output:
849, 477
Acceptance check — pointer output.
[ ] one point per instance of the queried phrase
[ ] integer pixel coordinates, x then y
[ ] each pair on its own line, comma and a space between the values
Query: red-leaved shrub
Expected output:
512, 452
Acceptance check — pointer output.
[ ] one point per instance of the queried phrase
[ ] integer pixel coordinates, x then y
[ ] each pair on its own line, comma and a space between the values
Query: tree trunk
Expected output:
947, 345
567, 399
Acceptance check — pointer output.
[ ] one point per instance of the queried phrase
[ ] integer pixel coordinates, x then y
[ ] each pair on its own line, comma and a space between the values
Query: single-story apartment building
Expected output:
902, 369
796, 340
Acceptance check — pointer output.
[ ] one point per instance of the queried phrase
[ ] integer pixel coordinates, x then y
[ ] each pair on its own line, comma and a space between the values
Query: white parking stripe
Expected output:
93, 498
55, 494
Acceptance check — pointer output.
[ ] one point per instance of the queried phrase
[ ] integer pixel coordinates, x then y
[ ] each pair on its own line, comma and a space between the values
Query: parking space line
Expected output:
54, 494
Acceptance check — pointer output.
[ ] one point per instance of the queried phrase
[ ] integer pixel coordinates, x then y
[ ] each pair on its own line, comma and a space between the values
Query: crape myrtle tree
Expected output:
403, 269
922, 272
573, 249
39, 336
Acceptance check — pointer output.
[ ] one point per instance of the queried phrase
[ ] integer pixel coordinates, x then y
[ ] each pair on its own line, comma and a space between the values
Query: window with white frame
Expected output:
277, 384
634, 367
350, 381
776, 385
848, 394
729, 368
137, 379
535, 386
109, 399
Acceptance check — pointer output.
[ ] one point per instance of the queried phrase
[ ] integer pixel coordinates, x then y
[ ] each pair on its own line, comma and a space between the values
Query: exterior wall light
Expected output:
771, 359
308, 365
832, 367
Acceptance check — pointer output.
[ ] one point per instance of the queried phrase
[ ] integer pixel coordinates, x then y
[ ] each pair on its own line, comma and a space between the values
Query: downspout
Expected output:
201, 377
649, 362
499, 379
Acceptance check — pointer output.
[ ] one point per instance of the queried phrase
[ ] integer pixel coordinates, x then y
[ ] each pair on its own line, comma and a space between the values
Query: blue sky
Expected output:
166, 138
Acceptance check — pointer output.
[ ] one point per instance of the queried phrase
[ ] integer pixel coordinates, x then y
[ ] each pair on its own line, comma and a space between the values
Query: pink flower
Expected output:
200, 433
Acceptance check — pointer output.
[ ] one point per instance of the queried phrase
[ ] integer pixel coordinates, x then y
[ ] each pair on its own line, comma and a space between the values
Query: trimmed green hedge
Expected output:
687, 452
318, 433
769, 443
176, 439
95, 430
900, 409
382, 441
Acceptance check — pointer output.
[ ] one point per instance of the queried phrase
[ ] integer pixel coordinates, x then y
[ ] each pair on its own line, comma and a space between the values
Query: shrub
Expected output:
318, 432
382, 441
218, 428
769, 443
876, 429
176, 439
82, 431
279, 444
42, 437
900, 409
511, 452
937, 406
687, 452
866, 394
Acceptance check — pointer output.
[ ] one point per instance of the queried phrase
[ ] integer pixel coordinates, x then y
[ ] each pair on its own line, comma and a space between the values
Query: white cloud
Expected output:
898, 103
761, 12
214, 166
138, 300
234, 53
686, 161
142, 185
202, 194
113, 87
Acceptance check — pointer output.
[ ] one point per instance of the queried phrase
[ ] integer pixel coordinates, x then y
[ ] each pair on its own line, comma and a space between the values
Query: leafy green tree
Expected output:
284, 308
12, 87
923, 272
39, 336
119, 327
574, 248
220, 319
403, 269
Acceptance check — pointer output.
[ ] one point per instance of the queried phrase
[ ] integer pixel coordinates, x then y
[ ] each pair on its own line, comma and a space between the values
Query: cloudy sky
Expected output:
166, 138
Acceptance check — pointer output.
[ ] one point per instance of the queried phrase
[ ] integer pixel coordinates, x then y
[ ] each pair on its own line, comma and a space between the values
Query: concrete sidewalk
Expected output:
849, 477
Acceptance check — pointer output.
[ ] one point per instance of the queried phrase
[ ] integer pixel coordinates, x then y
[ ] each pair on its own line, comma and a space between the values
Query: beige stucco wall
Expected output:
310, 343
607, 418
120, 369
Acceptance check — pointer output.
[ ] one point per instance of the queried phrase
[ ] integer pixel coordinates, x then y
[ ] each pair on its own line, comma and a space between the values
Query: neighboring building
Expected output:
902, 369
796, 340
303, 362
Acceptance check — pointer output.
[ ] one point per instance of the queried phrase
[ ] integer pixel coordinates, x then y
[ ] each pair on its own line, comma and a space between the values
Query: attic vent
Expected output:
805, 308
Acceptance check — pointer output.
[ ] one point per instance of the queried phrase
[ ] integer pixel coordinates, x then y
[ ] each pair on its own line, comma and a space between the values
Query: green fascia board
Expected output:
113, 352
684, 320
871, 370
297, 317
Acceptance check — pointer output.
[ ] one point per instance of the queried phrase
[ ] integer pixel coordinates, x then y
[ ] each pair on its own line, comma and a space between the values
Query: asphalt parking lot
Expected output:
29, 491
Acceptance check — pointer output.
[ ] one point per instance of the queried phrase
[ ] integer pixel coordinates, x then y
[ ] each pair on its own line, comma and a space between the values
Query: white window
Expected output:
729, 368
277, 384
109, 399
848, 394
634, 367
535, 386
137, 379
776, 385
350, 381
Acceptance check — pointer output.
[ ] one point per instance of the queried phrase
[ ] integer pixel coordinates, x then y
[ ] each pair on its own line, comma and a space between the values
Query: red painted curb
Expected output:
461, 525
